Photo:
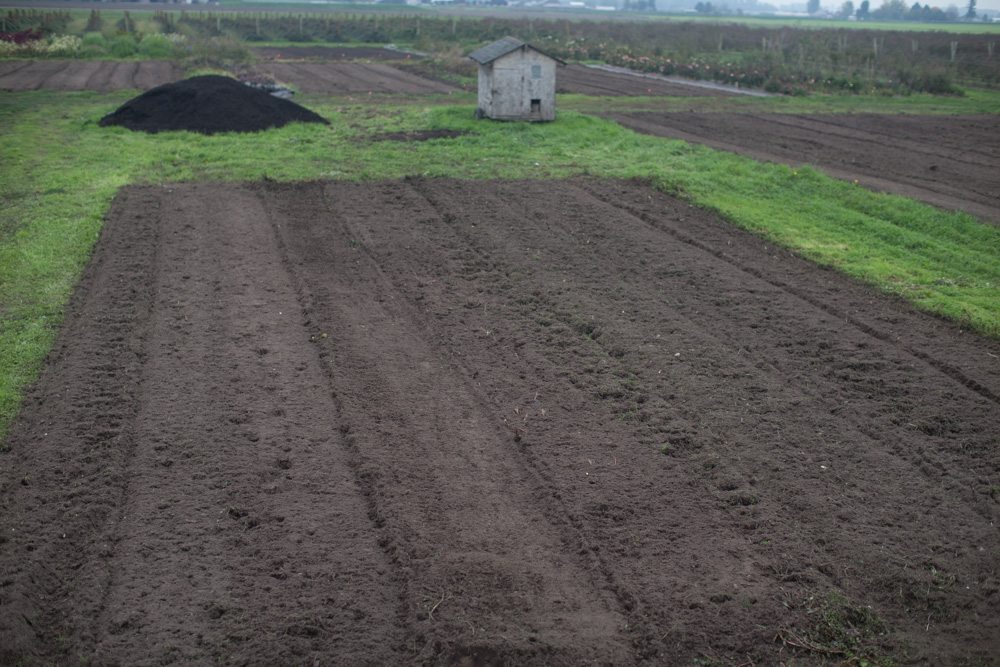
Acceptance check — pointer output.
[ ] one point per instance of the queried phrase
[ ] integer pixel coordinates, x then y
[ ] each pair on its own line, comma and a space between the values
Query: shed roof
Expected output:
502, 47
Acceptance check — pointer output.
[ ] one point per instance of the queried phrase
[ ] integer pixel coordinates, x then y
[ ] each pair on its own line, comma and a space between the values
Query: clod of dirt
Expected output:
209, 105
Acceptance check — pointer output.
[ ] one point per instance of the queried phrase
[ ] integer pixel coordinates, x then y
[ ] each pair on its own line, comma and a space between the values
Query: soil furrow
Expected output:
516, 422
847, 137
454, 496
244, 533
959, 375
510, 232
67, 454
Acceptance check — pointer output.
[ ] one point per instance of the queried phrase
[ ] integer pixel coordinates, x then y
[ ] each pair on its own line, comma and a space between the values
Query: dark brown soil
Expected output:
328, 53
422, 135
209, 105
86, 75
591, 81
949, 161
445, 422
346, 78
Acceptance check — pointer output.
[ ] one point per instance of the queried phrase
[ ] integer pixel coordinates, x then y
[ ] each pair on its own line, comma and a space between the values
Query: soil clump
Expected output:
209, 105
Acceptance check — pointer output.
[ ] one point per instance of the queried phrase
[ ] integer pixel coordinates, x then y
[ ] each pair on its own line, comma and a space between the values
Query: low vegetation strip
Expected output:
62, 170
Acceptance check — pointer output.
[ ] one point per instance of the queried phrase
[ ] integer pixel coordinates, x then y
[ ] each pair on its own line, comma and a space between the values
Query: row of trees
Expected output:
782, 58
898, 10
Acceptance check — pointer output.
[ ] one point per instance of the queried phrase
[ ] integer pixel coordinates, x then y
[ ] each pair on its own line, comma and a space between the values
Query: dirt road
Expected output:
444, 422
949, 161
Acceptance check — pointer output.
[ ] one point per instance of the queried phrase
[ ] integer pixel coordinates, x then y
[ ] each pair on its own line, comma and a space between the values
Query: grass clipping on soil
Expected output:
209, 105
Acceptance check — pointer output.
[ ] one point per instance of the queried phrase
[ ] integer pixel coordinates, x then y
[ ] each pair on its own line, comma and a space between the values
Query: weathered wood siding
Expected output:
508, 85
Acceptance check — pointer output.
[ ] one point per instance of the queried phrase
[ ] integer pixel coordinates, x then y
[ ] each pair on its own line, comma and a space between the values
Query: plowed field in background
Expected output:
949, 161
534, 422
102, 76
328, 53
591, 81
336, 78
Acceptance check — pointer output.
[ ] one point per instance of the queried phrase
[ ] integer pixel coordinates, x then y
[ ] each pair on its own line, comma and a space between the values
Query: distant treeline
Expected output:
784, 59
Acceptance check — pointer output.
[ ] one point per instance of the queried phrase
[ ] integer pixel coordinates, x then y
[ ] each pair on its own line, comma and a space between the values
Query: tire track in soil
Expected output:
491, 577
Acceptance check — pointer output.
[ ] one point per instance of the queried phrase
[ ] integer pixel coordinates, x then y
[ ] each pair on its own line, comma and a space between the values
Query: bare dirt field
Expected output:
102, 76
949, 161
328, 53
336, 78
591, 81
310, 77
444, 422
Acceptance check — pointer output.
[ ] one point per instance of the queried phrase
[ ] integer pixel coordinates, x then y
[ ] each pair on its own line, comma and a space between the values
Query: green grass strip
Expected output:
60, 171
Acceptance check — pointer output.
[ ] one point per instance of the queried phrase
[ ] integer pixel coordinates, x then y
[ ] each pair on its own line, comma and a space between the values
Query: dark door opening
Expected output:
536, 106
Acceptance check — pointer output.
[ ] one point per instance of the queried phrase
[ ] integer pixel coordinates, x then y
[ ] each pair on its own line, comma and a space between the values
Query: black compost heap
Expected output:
208, 104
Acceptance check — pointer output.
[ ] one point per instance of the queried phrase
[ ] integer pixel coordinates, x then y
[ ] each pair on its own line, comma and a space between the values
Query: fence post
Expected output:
954, 50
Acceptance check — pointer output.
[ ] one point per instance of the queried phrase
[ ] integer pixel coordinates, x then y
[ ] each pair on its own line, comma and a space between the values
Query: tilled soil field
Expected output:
949, 161
592, 81
339, 78
102, 76
328, 53
444, 422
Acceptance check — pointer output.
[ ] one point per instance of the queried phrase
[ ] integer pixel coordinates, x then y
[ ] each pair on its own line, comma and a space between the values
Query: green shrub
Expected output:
155, 46
94, 45
124, 46
95, 39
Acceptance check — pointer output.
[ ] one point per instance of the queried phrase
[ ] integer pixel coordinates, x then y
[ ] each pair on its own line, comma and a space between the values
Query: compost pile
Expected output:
208, 104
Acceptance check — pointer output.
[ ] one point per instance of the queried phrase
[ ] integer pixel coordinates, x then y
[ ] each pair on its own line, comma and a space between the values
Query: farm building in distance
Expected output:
516, 81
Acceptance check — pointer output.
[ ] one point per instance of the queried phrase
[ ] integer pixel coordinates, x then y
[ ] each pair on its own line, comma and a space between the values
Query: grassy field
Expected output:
61, 171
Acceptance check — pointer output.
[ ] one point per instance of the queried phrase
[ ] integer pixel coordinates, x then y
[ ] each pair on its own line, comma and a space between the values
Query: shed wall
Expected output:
509, 84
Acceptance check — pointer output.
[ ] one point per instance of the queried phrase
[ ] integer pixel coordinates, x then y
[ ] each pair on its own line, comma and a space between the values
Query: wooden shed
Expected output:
516, 81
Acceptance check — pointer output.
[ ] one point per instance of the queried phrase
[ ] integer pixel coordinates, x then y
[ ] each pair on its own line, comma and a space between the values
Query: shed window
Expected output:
536, 71
536, 106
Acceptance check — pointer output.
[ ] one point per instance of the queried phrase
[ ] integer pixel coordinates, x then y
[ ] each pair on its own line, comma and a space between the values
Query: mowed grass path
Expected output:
59, 172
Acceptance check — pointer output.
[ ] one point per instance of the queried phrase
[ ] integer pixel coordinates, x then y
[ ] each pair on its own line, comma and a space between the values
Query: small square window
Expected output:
536, 106
536, 71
